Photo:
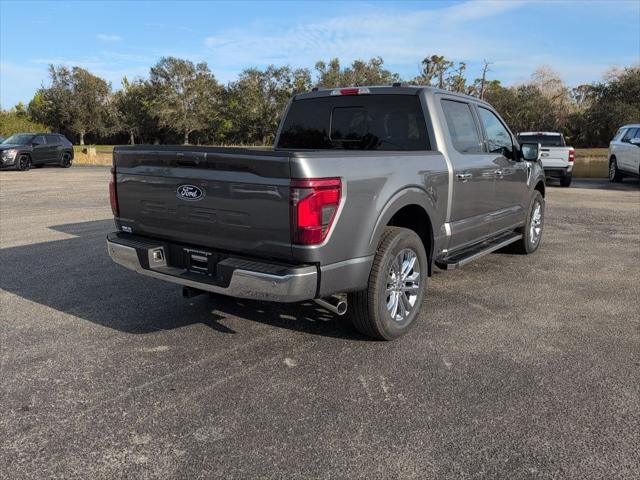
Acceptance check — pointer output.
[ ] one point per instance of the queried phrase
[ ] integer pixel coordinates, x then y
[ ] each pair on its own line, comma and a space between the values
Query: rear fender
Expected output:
403, 198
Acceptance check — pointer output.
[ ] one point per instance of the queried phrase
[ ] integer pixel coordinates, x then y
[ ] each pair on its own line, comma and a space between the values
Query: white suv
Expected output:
624, 153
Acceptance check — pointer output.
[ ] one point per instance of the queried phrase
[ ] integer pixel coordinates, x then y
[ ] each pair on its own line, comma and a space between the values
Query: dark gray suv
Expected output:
25, 150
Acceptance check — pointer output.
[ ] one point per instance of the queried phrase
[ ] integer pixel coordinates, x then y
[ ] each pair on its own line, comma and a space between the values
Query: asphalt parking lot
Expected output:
519, 367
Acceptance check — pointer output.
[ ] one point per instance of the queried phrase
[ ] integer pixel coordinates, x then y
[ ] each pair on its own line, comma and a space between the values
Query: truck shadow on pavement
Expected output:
77, 277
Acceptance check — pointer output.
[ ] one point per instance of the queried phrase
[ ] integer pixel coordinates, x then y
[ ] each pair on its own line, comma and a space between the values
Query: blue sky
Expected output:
580, 40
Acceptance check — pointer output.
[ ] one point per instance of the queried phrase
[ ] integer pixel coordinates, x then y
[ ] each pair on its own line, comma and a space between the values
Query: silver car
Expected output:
624, 153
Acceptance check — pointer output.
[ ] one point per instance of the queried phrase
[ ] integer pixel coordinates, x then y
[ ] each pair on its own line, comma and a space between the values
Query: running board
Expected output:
459, 259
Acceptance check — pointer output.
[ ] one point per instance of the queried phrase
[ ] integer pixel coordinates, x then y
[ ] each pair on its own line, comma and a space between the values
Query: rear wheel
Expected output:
396, 288
66, 160
23, 163
615, 175
565, 181
532, 231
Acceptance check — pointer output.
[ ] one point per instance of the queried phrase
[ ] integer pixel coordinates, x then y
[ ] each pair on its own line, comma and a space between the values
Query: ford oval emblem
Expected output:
190, 193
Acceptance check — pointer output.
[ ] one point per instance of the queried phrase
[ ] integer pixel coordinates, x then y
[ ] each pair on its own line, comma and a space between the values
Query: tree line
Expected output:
183, 102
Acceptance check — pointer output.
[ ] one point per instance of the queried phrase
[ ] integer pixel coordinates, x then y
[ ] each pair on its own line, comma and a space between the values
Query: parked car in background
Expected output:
557, 158
624, 153
366, 190
25, 150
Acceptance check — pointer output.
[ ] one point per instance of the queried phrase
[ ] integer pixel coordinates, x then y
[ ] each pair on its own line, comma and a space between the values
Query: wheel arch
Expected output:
411, 208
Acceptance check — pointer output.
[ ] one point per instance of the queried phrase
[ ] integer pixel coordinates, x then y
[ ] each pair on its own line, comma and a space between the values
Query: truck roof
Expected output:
631, 125
395, 89
539, 133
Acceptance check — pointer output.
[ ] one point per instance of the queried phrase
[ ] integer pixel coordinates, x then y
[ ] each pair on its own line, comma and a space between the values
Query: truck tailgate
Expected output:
554, 156
223, 198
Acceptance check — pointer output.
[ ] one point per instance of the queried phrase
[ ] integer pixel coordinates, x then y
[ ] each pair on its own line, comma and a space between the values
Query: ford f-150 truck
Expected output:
365, 192
556, 156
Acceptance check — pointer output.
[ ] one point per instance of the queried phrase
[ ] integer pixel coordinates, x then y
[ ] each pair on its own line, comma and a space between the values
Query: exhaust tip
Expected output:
333, 304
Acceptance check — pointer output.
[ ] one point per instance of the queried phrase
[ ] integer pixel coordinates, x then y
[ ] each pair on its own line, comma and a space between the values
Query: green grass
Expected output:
591, 152
99, 148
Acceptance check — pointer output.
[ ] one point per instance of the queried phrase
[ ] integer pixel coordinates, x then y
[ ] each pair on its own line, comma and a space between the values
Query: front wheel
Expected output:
615, 175
23, 163
396, 288
532, 230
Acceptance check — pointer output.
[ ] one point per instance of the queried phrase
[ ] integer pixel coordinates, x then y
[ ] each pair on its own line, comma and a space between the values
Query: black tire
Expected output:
371, 310
565, 181
66, 161
615, 175
531, 237
23, 163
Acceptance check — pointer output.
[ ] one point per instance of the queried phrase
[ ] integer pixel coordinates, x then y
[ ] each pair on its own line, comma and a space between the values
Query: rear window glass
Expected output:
544, 140
356, 122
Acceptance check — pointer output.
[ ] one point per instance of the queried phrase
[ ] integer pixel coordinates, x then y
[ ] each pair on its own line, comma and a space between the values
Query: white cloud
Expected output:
403, 37
471, 32
103, 37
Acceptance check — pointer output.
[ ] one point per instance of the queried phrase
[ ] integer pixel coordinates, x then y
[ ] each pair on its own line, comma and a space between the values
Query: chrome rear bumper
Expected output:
297, 284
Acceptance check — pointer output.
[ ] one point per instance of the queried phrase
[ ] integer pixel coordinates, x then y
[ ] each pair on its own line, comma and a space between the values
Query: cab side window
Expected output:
52, 139
462, 126
40, 140
498, 137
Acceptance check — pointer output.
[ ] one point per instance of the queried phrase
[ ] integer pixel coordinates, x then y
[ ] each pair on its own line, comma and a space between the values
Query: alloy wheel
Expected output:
403, 284
535, 228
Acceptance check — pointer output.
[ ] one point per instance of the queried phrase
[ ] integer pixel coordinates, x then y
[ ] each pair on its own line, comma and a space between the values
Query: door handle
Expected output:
498, 173
464, 177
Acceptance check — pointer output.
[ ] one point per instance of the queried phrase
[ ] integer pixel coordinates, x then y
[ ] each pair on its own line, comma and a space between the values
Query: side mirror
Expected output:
530, 151
35, 143
635, 141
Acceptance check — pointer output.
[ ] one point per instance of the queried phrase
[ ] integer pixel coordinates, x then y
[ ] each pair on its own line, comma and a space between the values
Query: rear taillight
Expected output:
314, 203
113, 194
572, 155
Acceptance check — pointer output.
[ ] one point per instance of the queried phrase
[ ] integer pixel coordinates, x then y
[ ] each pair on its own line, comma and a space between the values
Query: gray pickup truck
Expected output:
366, 190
